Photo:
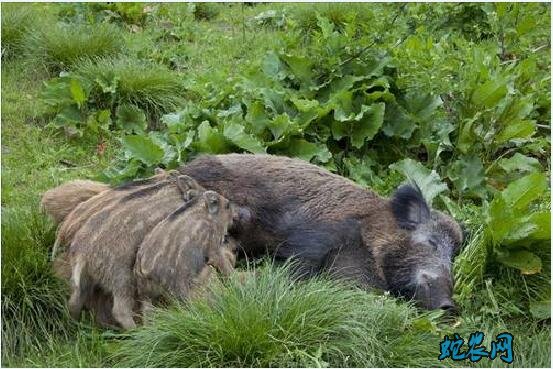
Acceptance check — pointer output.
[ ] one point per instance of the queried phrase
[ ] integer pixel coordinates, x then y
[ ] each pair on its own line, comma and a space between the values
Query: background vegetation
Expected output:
455, 97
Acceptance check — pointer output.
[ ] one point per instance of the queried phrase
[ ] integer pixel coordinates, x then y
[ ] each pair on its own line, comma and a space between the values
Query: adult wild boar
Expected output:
327, 222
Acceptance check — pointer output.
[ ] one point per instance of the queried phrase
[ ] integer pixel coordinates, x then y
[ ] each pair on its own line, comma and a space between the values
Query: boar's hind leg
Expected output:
123, 290
123, 310
79, 289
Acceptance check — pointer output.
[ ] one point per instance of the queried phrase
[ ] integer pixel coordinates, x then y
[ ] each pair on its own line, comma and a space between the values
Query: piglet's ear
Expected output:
186, 183
212, 201
409, 207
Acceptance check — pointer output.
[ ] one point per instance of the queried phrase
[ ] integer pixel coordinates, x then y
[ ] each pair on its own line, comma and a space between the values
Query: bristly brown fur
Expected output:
177, 255
60, 201
103, 247
333, 218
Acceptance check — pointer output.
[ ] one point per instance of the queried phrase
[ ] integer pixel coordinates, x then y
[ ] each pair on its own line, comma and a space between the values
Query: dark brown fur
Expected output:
326, 221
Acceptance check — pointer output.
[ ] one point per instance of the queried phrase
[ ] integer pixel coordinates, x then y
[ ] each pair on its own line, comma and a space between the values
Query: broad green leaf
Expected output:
520, 193
279, 125
235, 133
305, 105
542, 221
256, 116
69, 115
467, 174
397, 122
143, 148
367, 124
490, 93
428, 180
466, 138
77, 92
343, 110
99, 122
516, 110
525, 25
361, 126
519, 162
499, 219
234, 109
211, 140
301, 68
271, 64
520, 129
327, 27
131, 118
305, 150
56, 92
422, 106
519, 230
361, 171
525, 261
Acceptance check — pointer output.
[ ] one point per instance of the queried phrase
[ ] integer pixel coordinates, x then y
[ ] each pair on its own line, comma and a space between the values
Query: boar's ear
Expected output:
190, 194
185, 183
241, 214
159, 171
212, 201
409, 207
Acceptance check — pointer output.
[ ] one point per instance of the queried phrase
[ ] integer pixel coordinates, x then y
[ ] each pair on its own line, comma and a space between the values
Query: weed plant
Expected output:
61, 46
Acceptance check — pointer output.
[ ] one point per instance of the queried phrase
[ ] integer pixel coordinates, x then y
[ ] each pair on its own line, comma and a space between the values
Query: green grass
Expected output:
60, 46
33, 300
149, 86
271, 321
17, 20
268, 321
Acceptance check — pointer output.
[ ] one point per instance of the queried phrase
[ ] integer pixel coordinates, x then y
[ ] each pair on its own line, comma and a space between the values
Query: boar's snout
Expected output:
435, 289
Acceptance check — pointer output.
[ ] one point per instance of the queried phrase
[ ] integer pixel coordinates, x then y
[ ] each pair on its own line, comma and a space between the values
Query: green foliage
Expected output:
33, 302
515, 226
204, 11
61, 46
268, 320
454, 97
102, 92
17, 21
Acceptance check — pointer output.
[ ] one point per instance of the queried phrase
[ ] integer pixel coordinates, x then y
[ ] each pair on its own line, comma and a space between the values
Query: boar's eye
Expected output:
433, 242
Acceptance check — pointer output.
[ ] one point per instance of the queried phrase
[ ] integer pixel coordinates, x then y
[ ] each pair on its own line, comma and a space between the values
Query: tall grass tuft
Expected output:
338, 14
17, 20
59, 47
33, 300
149, 86
268, 320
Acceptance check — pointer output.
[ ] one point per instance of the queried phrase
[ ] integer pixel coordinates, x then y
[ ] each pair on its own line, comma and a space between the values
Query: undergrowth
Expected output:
454, 96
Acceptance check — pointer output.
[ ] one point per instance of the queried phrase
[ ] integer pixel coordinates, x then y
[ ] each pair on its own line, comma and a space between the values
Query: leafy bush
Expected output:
61, 46
204, 11
453, 97
339, 14
270, 321
124, 92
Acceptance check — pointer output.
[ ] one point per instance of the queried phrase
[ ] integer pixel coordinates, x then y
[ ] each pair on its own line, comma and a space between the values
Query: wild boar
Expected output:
103, 249
60, 201
179, 253
328, 222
